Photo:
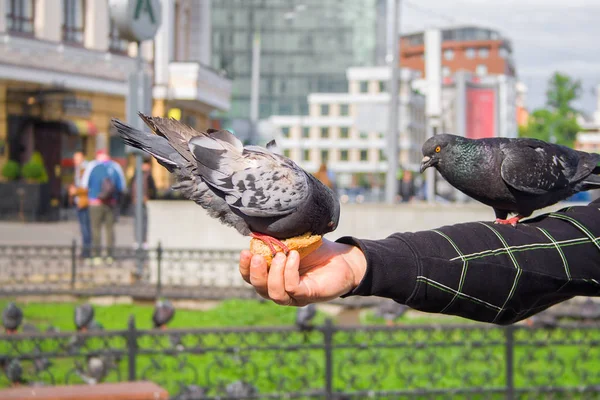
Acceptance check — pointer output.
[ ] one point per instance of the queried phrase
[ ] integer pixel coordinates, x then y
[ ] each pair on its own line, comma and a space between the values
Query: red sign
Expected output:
481, 112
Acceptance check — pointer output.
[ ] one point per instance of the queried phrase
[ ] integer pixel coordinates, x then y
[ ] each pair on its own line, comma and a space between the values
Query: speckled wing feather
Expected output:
255, 181
532, 166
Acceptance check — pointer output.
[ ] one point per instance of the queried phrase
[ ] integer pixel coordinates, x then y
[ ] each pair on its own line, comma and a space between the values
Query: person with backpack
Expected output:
105, 182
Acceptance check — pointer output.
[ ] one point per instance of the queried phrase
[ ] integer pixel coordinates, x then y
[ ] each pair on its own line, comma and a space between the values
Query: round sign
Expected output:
136, 20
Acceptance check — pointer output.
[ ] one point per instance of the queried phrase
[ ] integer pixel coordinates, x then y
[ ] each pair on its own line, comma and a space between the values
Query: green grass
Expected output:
380, 360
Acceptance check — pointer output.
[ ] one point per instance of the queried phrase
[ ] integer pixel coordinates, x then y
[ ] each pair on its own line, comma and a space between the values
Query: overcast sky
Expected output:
547, 36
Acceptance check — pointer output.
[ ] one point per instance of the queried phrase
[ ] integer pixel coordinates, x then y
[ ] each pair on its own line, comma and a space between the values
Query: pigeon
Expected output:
14, 372
252, 189
12, 316
191, 392
390, 310
84, 315
163, 314
305, 315
240, 390
511, 175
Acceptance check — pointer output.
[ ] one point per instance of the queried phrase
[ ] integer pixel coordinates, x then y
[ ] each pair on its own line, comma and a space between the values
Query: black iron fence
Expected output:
175, 273
327, 362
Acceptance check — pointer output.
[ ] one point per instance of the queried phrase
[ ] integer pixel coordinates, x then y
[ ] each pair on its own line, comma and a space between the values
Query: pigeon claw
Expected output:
511, 221
271, 241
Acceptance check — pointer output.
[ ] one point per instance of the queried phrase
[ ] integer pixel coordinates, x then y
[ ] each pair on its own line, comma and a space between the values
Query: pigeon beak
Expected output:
427, 162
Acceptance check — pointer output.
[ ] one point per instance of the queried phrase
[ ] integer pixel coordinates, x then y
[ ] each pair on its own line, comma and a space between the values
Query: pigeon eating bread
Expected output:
252, 189
304, 245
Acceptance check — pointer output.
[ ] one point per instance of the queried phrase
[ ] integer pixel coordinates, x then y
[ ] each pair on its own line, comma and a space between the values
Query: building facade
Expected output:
589, 137
63, 77
347, 131
478, 50
306, 47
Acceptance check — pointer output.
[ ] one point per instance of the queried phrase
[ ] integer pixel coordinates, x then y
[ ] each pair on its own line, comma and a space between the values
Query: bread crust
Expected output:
303, 244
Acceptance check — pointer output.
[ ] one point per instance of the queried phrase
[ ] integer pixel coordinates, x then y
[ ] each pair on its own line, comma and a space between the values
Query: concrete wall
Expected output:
183, 224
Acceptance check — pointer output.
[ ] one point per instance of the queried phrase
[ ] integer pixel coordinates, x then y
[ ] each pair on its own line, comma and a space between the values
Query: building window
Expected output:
382, 86
344, 132
470, 53
445, 71
285, 131
481, 69
363, 135
364, 155
73, 20
449, 54
19, 16
343, 155
306, 132
344, 109
484, 52
364, 87
324, 156
306, 155
324, 109
382, 155
287, 153
503, 52
115, 43
324, 132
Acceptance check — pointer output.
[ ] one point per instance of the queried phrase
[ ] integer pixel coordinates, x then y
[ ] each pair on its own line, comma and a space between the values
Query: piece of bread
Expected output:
304, 244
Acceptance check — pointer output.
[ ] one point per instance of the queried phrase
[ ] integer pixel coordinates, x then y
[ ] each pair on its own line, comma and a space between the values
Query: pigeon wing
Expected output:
533, 167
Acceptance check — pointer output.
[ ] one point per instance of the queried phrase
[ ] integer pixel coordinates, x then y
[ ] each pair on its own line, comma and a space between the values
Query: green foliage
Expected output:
557, 122
34, 170
11, 170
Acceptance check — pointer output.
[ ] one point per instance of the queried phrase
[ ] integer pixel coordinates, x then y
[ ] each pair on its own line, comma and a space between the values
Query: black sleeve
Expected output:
487, 272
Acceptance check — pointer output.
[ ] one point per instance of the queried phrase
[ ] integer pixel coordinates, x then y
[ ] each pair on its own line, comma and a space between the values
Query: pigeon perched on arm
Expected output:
511, 175
12, 316
259, 193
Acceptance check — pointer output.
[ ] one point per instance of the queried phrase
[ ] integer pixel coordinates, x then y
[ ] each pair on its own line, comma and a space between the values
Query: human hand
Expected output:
330, 271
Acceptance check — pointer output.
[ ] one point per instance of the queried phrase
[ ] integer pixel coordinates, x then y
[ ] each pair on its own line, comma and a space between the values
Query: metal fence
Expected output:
327, 362
174, 273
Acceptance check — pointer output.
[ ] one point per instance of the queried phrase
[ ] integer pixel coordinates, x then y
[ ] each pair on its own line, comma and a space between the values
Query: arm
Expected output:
479, 271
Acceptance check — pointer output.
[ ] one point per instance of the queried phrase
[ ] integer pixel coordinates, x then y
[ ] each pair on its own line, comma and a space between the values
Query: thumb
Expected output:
294, 286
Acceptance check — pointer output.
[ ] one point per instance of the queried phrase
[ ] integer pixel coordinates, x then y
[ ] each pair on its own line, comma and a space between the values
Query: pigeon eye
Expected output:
438, 149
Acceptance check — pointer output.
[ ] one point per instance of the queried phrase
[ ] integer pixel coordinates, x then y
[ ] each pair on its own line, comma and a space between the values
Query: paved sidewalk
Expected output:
58, 233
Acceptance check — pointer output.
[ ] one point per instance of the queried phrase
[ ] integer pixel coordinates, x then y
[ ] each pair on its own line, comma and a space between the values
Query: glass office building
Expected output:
306, 47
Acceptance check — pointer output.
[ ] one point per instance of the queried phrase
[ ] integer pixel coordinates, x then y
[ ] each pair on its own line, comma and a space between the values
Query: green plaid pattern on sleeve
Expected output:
487, 272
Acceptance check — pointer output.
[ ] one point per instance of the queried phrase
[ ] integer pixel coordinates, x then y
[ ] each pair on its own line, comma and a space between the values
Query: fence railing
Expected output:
327, 362
177, 273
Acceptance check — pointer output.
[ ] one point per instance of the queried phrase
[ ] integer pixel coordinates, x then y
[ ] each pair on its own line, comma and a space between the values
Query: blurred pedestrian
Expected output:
149, 192
407, 187
105, 182
323, 175
78, 196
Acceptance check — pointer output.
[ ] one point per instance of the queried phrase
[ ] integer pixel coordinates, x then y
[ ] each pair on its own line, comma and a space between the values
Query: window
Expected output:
344, 132
324, 132
382, 87
484, 52
285, 131
344, 109
19, 16
324, 109
382, 155
364, 87
306, 132
503, 52
481, 69
343, 155
445, 71
115, 43
470, 53
364, 155
363, 135
73, 20
324, 156
449, 54
306, 155
287, 153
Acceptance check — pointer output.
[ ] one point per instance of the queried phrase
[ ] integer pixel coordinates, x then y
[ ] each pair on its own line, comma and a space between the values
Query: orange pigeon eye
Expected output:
438, 149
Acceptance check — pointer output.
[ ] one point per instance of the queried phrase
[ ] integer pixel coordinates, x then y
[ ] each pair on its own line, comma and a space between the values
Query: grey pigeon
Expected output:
258, 192
191, 392
390, 310
163, 313
84, 314
240, 390
305, 315
511, 175
12, 316
14, 372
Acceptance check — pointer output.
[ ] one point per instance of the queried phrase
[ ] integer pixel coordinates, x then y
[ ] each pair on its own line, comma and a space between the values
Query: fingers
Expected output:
291, 274
245, 257
275, 281
258, 275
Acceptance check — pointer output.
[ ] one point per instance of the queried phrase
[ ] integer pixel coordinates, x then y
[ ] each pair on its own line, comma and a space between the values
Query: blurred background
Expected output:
350, 90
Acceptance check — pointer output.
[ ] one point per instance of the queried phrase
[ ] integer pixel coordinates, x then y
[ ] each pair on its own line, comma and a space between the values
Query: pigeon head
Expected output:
435, 148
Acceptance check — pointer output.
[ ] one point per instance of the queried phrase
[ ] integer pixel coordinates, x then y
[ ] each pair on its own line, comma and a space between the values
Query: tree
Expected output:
556, 122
